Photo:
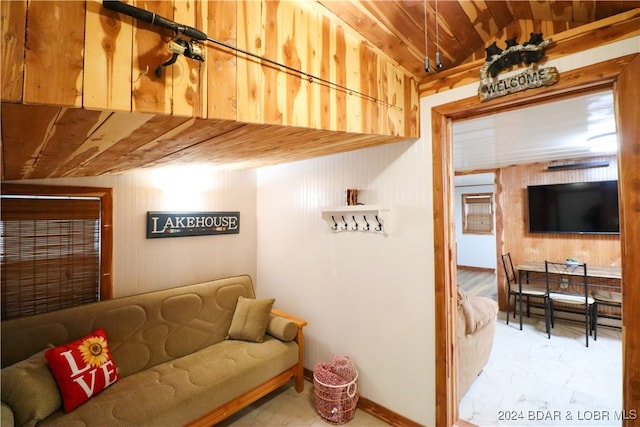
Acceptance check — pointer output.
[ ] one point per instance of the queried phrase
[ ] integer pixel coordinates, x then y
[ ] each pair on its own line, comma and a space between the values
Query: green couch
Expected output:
176, 364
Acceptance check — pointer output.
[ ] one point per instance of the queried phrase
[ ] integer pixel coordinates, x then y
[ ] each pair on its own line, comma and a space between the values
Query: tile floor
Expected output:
542, 382
288, 408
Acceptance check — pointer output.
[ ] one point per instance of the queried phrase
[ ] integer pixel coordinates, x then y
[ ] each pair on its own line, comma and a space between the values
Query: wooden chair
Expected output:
602, 296
519, 290
567, 283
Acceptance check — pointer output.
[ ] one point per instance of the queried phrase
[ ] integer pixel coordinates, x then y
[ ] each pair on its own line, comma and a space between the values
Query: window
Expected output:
55, 248
477, 213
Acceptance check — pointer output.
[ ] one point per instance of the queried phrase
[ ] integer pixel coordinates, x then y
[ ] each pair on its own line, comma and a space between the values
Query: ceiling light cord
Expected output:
438, 62
427, 67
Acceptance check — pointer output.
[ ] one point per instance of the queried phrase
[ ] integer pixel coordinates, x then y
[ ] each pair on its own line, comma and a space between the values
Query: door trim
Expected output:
616, 74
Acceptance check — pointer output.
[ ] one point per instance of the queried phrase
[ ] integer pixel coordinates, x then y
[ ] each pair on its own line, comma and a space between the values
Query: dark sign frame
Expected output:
184, 224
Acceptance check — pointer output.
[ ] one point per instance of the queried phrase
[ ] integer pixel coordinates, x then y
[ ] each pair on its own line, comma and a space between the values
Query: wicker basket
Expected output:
336, 403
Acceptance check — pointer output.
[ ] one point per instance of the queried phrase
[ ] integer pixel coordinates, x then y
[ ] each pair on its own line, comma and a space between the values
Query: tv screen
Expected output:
581, 207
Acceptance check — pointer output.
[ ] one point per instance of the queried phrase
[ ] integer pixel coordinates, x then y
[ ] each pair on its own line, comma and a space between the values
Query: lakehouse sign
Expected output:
497, 60
182, 224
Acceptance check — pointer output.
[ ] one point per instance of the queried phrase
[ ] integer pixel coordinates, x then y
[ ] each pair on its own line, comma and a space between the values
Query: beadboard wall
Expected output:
143, 265
366, 295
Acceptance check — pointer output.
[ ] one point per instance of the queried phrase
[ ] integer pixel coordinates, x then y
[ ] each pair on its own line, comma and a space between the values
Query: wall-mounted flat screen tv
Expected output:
581, 207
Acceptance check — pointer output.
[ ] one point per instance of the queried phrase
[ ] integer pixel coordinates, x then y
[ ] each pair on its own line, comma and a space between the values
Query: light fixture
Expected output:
603, 143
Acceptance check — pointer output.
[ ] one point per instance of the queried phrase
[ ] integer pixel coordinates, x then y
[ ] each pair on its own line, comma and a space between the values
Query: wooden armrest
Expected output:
301, 323
299, 369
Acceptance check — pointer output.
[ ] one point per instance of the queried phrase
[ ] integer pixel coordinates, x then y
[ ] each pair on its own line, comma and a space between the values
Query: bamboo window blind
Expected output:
50, 253
477, 213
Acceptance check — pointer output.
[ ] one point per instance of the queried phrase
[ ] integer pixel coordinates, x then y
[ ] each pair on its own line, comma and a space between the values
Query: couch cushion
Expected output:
250, 319
30, 390
179, 391
82, 368
281, 328
144, 330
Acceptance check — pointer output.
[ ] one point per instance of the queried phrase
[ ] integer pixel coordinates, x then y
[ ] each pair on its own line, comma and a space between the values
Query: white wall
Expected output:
141, 264
367, 296
474, 250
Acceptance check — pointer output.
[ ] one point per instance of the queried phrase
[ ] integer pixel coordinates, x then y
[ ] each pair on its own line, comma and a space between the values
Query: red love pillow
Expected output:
82, 368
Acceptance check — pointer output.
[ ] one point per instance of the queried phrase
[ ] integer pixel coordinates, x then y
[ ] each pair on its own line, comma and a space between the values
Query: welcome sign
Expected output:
529, 53
182, 224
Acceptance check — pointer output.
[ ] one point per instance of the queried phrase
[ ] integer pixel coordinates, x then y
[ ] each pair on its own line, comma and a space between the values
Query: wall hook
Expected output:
335, 224
355, 227
379, 227
366, 227
345, 226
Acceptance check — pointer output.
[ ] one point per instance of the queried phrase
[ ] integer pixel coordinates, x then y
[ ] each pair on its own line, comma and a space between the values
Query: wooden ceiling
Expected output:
464, 28
45, 141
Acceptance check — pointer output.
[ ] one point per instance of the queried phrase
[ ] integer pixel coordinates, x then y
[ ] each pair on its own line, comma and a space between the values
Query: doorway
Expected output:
522, 152
621, 76
475, 205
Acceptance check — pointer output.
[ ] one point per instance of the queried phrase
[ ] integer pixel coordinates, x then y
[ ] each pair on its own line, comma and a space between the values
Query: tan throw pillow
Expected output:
281, 328
250, 319
29, 388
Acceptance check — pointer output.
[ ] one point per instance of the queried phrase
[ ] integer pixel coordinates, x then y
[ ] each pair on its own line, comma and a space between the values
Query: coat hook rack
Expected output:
359, 219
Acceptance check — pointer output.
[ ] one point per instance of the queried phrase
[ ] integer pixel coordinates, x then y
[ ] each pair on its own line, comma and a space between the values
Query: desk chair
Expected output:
519, 290
601, 296
568, 284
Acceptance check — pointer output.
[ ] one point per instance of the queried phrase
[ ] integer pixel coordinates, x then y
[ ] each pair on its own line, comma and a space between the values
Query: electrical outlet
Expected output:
564, 283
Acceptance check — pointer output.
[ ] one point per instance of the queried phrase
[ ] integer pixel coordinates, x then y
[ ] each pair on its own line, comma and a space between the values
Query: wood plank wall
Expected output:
511, 187
79, 54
